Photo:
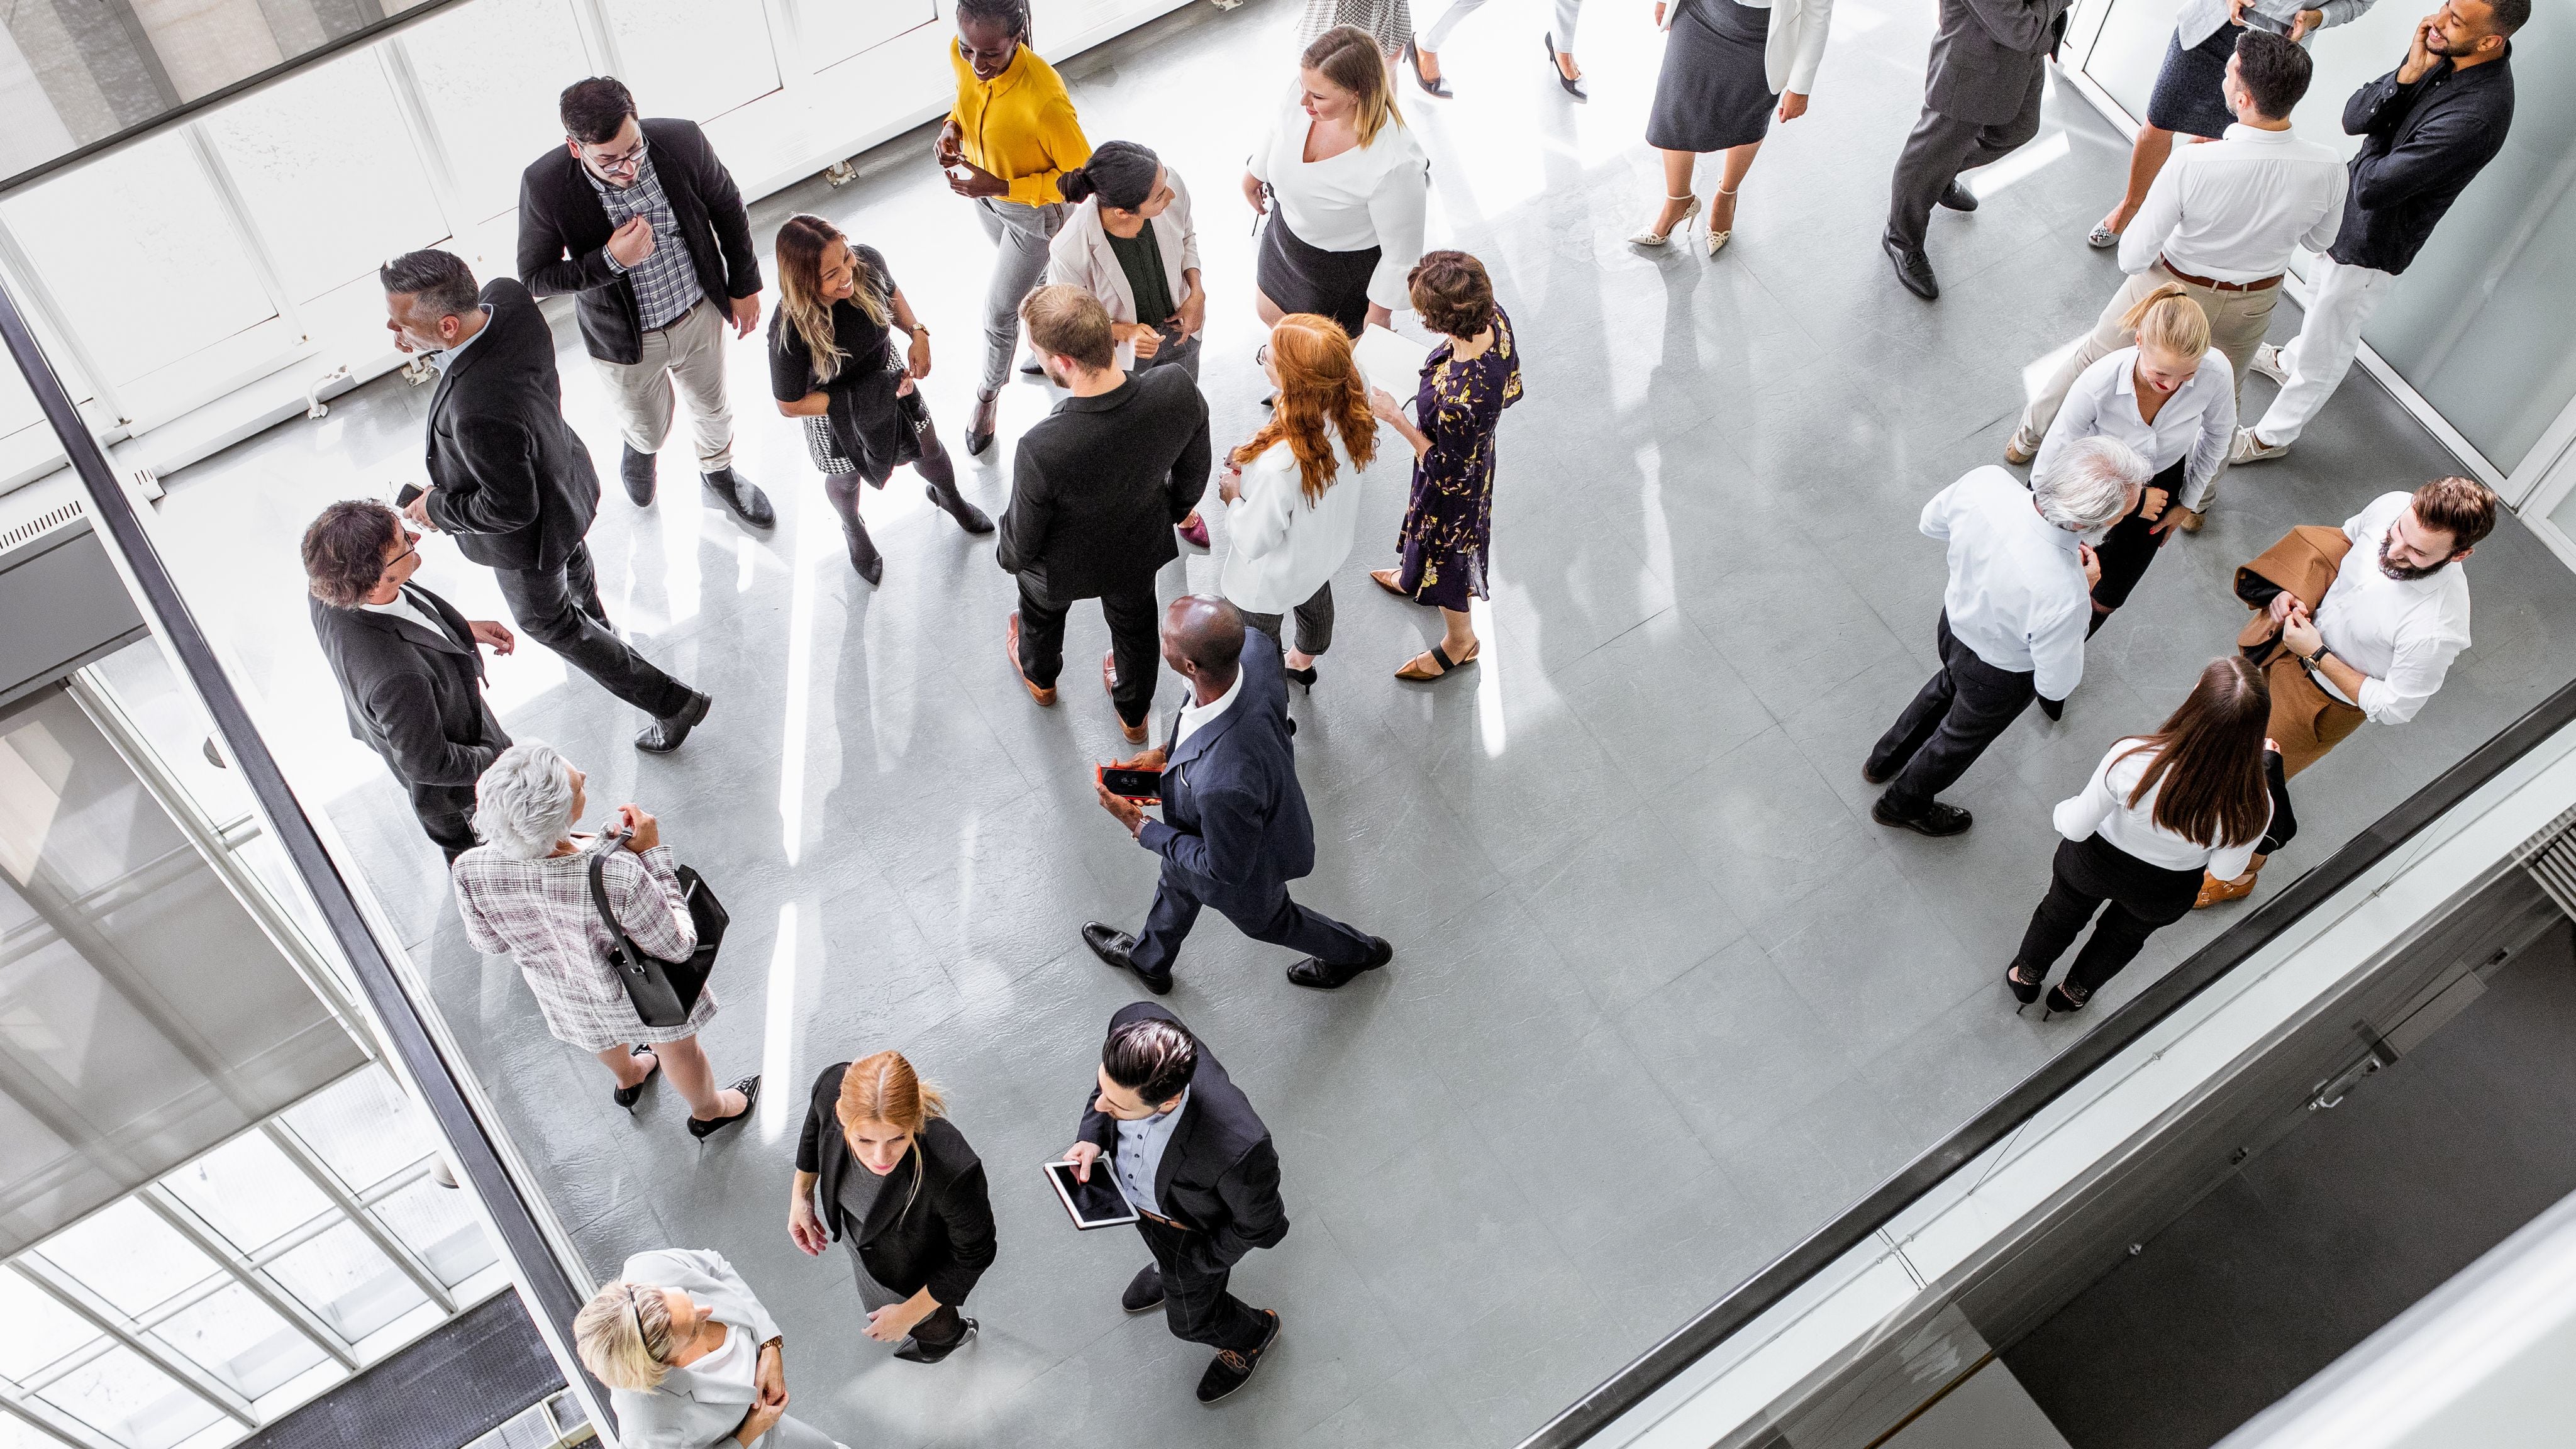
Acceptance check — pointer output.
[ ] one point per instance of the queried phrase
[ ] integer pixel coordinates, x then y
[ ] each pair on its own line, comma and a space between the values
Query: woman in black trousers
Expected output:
2203, 793
897, 1181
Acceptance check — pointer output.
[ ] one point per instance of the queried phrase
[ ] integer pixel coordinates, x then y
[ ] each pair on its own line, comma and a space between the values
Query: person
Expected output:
1011, 134
691, 1358
525, 893
1424, 49
1445, 543
2169, 397
2219, 226
1129, 241
510, 481
898, 1183
1235, 829
1729, 65
1387, 24
1096, 488
1344, 185
1981, 99
834, 364
2427, 129
2362, 628
410, 675
1191, 1156
645, 228
2013, 618
2189, 96
2198, 794
1292, 491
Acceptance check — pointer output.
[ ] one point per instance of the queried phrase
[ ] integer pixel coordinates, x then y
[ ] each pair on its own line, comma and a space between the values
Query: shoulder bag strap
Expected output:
632, 959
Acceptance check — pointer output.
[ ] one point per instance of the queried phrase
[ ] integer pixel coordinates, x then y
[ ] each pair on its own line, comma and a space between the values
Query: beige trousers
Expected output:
691, 351
2236, 324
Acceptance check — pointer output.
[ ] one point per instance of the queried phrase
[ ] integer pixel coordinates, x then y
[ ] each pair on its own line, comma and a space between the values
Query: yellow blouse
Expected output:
1019, 125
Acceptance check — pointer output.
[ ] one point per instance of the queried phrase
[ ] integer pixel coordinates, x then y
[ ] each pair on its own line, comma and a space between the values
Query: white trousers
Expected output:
2340, 301
1567, 13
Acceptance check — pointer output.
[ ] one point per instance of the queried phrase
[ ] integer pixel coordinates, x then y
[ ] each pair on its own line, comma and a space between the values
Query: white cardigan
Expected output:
1796, 46
1080, 257
1284, 548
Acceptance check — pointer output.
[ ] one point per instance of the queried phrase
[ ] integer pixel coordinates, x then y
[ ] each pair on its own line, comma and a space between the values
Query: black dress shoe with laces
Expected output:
1118, 949
1913, 268
663, 735
1144, 1291
1324, 976
635, 470
1957, 196
1935, 819
1230, 1370
740, 498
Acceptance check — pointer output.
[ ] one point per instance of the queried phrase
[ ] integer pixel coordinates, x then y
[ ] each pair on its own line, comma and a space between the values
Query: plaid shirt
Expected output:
539, 913
666, 283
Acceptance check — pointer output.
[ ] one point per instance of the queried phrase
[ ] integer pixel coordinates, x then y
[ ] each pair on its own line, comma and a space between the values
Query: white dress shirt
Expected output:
2017, 595
1139, 1160
445, 357
411, 611
1368, 196
2402, 633
2197, 422
1196, 716
1283, 548
2231, 209
2103, 808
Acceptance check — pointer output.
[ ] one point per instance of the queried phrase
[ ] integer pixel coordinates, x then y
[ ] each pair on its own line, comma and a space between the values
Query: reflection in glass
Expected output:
248, 1191
490, 75
241, 1341
363, 1128
674, 72
124, 1397
349, 1281
129, 1257
435, 1222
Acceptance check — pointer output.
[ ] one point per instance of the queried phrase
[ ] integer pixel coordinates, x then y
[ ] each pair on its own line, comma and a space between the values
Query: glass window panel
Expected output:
671, 68
17, 1434
839, 29
363, 1127
117, 238
490, 72
35, 1330
349, 1281
327, 168
129, 1257
436, 1223
123, 1396
242, 1341
249, 1191
205, 45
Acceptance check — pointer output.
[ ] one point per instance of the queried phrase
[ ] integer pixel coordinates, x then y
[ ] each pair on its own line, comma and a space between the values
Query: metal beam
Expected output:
107, 1318
412, 1264
166, 1206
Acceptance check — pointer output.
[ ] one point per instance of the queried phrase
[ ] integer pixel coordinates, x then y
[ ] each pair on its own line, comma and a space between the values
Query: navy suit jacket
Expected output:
1235, 828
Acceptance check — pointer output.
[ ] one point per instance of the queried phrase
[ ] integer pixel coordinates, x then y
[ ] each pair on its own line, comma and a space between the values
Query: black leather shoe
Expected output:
1144, 1291
864, 556
1229, 1370
915, 1351
1573, 84
1324, 976
1957, 196
979, 429
635, 470
1117, 948
954, 504
738, 496
1912, 268
750, 1089
1935, 819
627, 1097
663, 735
1870, 771
1031, 367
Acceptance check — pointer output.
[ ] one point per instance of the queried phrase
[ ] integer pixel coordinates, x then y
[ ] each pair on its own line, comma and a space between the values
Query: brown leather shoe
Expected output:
2214, 891
1011, 647
1135, 733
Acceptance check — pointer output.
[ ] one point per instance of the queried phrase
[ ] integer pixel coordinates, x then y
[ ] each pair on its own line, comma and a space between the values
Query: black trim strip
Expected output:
1629, 1387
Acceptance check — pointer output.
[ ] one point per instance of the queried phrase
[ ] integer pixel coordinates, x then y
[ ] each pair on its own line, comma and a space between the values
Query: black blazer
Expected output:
514, 485
1219, 1175
2421, 146
940, 1238
564, 231
417, 699
1234, 821
1098, 484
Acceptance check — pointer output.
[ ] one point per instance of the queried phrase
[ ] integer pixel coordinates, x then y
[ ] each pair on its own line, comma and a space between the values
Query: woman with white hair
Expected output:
525, 893
691, 1359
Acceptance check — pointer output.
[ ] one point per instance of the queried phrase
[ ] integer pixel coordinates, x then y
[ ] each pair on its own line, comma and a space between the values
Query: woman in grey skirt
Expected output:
1727, 64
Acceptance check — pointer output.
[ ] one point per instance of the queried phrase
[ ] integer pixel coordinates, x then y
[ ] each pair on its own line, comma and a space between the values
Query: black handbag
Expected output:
663, 991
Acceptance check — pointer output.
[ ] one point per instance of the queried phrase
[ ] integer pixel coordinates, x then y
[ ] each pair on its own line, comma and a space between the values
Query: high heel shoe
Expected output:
988, 416
954, 504
1718, 238
1431, 85
2062, 1002
2024, 992
1680, 223
1305, 676
1573, 83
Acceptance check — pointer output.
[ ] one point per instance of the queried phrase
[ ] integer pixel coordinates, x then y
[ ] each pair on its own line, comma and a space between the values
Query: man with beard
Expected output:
2376, 646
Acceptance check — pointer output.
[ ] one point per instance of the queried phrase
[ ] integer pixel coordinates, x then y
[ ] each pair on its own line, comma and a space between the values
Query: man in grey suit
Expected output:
693, 1359
1980, 104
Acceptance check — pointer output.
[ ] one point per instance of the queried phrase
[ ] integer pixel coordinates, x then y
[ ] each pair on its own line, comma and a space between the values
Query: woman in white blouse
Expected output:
1350, 184
2171, 397
691, 1358
1292, 493
2202, 794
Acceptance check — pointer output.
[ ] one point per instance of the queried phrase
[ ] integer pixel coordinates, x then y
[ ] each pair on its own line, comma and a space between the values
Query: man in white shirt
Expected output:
2013, 619
2220, 221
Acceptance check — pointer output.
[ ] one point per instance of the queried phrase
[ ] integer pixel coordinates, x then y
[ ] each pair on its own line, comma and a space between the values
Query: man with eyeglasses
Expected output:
645, 227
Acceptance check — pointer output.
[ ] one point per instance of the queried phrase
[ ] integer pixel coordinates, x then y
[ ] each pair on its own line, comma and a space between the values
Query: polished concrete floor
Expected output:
1664, 1000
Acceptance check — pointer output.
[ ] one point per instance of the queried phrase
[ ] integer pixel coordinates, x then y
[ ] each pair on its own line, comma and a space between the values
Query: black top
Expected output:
1220, 1174
564, 231
939, 1237
417, 698
1141, 258
2422, 145
511, 481
875, 428
1099, 483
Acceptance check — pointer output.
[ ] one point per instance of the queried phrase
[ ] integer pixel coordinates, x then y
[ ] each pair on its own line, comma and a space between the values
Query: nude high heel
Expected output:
1680, 223
1718, 238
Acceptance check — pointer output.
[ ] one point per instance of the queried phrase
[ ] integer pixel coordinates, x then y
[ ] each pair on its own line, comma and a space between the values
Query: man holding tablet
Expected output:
1169, 1127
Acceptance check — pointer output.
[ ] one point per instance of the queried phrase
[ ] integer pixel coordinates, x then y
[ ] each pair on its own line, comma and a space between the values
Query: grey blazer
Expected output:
688, 1411
2198, 20
1987, 54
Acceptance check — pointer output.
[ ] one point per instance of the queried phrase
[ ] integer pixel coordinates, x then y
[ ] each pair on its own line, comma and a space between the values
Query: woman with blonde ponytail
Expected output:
691, 1358
880, 1166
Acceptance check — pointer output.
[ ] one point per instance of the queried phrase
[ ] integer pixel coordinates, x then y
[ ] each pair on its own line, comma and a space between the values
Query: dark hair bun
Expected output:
1076, 185
1120, 173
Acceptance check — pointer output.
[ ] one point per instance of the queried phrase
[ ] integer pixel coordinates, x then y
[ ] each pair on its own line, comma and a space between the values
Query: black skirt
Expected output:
1302, 278
2132, 543
2188, 96
1714, 93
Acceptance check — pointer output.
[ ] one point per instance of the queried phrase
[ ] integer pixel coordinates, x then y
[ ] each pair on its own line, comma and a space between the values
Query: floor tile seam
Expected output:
1342, 1253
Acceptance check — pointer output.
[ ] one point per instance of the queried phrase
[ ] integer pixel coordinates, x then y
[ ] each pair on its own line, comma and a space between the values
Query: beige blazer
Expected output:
1080, 257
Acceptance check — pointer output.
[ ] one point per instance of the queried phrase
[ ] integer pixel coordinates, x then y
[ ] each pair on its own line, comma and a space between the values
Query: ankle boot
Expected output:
863, 553
842, 490
954, 504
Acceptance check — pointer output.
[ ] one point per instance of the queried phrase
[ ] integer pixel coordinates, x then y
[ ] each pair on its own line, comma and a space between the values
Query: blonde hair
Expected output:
1319, 383
884, 1088
2170, 321
802, 243
1348, 57
623, 1335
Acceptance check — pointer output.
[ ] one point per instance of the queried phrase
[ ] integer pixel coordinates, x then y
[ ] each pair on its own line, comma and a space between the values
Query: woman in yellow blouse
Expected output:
1011, 134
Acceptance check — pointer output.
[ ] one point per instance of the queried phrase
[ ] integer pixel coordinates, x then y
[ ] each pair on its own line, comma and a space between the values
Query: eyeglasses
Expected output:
411, 547
625, 164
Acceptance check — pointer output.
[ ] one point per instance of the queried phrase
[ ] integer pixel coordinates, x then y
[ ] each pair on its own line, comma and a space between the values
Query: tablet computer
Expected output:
1094, 1204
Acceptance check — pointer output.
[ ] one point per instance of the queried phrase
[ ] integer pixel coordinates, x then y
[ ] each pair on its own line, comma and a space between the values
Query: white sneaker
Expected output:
2249, 449
2267, 361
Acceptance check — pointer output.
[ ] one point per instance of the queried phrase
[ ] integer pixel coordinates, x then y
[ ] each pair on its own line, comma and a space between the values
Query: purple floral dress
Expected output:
1449, 524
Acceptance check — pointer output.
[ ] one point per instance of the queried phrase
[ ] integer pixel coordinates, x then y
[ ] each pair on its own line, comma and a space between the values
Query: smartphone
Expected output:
1139, 785
2261, 21
410, 491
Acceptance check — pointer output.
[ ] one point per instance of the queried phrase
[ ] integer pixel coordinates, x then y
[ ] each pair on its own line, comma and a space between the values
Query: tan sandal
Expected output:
1413, 668
1385, 579
2214, 892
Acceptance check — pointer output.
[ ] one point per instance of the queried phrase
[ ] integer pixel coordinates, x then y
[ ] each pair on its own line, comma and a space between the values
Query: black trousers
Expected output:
1196, 1302
1956, 714
560, 609
2088, 873
2132, 544
1943, 146
1134, 628
1314, 623
446, 815
1274, 919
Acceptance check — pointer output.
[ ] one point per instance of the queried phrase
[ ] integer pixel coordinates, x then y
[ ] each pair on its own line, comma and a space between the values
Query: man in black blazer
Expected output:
1096, 489
645, 227
510, 480
1195, 1161
406, 663
1234, 830
1980, 104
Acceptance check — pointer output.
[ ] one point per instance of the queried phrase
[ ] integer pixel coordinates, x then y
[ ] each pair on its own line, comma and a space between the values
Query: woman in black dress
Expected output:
832, 362
1727, 65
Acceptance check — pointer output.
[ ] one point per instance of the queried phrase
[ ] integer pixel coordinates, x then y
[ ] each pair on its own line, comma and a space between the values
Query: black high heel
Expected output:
627, 1097
1434, 85
2062, 1002
2024, 992
1305, 677
1573, 84
988, 417
750, 1089
953, 503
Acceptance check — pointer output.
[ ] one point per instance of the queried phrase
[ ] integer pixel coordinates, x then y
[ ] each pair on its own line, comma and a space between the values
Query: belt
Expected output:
2179, 275
1180, 1227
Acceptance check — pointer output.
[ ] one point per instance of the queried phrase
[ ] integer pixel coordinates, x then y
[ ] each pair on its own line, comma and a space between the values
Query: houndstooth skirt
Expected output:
1389, 21
825, 449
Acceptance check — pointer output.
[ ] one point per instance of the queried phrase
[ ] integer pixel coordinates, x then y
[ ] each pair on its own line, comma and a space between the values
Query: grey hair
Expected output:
441, 281
523, 803
2091, 485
